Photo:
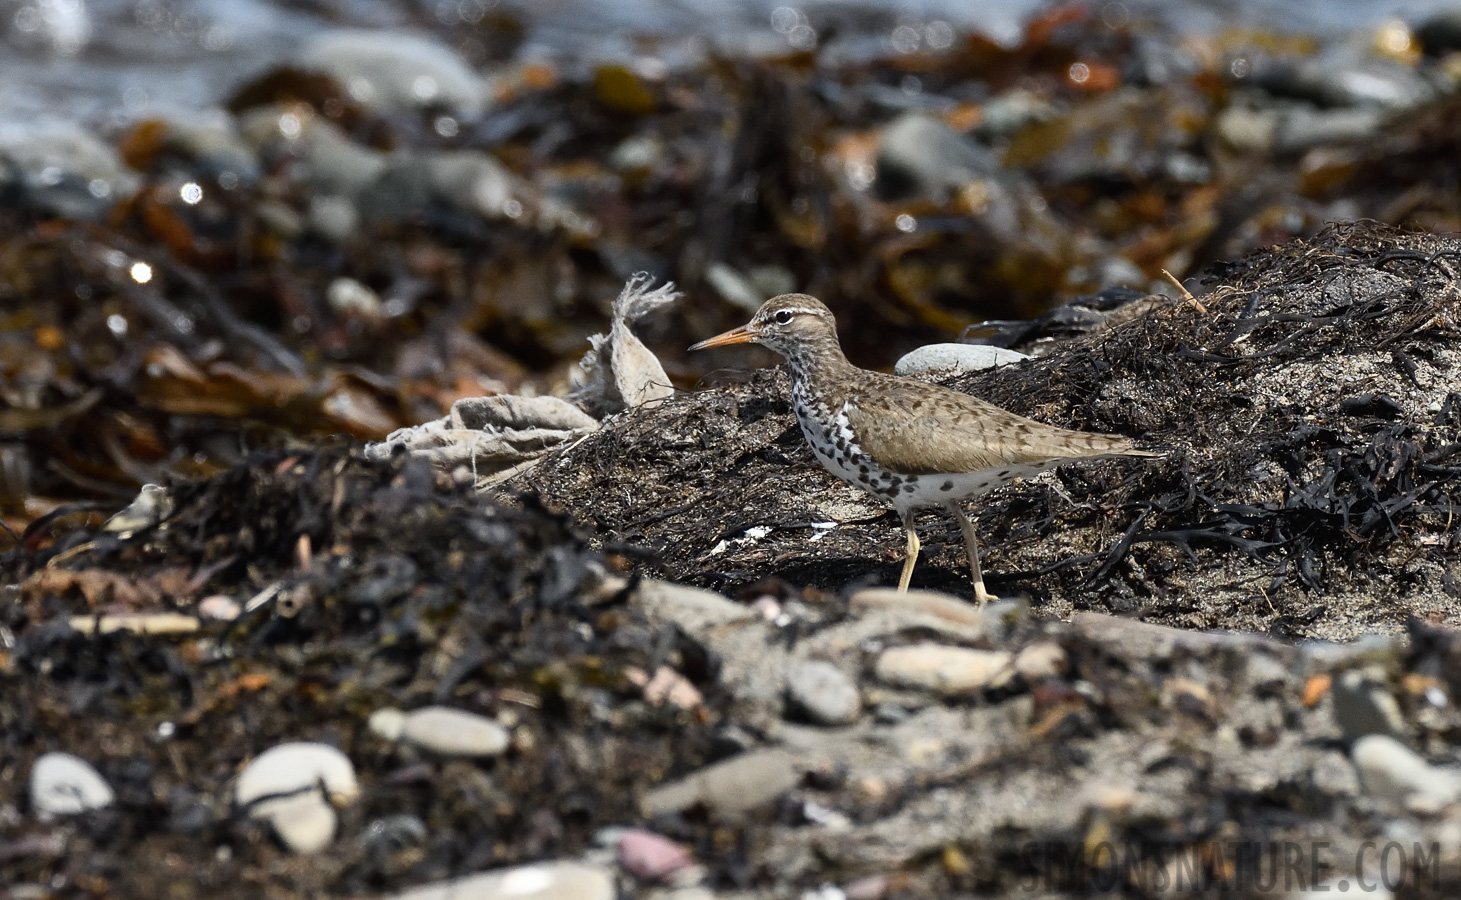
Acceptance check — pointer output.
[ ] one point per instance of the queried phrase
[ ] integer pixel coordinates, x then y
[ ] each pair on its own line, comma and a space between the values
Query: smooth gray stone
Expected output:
955, 357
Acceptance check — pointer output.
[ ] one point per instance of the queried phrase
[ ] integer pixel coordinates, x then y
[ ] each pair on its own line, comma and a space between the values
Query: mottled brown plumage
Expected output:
912, 443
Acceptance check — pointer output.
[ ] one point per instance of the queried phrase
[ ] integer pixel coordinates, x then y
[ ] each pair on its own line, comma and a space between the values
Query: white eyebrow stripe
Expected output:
795, 309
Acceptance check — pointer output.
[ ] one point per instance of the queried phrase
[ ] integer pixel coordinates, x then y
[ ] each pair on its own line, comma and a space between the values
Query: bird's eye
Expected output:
783, 317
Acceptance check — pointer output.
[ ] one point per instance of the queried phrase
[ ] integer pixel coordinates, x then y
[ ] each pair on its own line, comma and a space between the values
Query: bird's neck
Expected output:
815, 362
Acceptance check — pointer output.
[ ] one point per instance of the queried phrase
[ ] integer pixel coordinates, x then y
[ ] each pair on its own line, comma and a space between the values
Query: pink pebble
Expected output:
873, 887
650, 856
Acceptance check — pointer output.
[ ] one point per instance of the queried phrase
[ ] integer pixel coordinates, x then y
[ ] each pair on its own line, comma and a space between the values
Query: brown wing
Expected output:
921, 429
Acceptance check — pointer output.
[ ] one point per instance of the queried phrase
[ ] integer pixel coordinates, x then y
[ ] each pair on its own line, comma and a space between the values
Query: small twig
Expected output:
1186, 294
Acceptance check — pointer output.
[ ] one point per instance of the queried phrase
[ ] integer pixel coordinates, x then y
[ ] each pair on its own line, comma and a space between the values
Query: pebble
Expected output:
1391, 770
152, 504
1363, 705
349, 297
943, 670
1135, 639
923, 155
1303, 129
1337, 887
942, 606
394, 69
64, 785
957, 358
542, 881
652, 857
210, 138
282, 785
442, 730
304, 822
473, 182
1041, 660
297, 766
823, 692
332, 218
742, 783
65, 171
665, 686
869, 887
693, 609
219, 608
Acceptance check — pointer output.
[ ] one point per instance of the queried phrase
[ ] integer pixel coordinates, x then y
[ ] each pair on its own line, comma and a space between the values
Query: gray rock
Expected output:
823, 692
1364, 705
442, 730
336, 165
65, 171
63, 785
958, 358
211, 140
737, 785
1390, 770
280, 218
693, 609
332, 218
943, 670
393, 69
1304, 128
1350, 75
541, 881
923, 155
473, 182
1247, 128
1134, 639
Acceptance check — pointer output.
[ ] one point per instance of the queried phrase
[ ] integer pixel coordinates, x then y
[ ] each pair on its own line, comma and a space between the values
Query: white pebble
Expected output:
943, 670
295, 767
443, 730
544, 881
1392, 770
304, 822
282, 785
63, 785
219, 607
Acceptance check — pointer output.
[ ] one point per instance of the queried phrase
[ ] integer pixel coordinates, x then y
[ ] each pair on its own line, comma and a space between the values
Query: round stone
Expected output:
822, 692
64, 785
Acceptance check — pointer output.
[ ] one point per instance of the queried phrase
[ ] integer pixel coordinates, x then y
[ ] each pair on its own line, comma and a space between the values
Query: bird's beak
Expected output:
742, 335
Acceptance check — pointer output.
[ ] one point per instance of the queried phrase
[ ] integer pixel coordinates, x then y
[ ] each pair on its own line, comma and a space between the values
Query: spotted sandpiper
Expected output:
908, 442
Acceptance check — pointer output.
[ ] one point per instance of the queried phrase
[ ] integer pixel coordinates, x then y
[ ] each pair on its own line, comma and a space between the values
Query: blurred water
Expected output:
110, 61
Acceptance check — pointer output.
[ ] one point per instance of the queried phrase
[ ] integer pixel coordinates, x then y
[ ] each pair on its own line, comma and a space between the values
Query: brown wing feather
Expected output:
931, 429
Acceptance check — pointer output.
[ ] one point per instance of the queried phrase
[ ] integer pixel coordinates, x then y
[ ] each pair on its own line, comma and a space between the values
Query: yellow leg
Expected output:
971, 546
912, 556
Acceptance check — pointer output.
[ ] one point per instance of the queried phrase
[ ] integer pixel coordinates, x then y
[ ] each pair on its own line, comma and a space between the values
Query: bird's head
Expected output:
785, 323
